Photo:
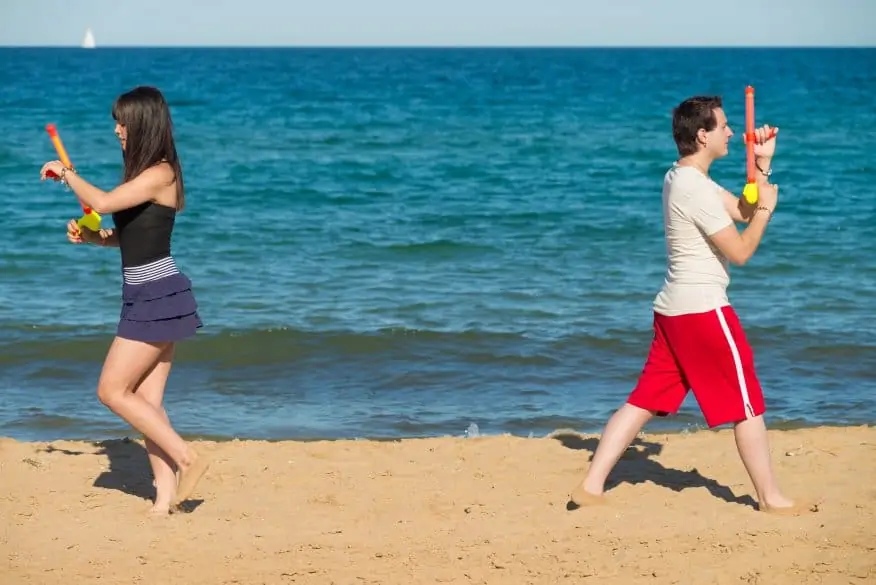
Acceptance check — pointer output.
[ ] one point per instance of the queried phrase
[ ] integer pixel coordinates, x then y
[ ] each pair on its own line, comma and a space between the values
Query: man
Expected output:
698, 342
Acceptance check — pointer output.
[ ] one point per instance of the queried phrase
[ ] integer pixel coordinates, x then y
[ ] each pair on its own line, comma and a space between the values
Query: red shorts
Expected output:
706, 353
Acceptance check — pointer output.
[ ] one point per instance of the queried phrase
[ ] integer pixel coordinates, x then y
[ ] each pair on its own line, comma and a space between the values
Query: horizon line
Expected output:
426, 46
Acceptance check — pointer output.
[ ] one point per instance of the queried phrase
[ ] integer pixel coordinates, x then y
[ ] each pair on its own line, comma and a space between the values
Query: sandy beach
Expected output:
488, 510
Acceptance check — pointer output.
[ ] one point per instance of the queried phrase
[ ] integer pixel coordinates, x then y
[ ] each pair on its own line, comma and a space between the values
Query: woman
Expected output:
158, 306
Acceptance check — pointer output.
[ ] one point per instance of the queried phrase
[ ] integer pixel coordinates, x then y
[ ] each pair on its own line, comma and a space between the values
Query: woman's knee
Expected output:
111, 390
125, 366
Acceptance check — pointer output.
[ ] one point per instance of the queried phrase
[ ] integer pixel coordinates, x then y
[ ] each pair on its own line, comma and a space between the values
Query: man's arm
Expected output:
711, 215
739, 248
739, 209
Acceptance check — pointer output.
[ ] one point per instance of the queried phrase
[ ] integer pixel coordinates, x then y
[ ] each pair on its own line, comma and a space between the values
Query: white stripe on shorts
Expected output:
737, 361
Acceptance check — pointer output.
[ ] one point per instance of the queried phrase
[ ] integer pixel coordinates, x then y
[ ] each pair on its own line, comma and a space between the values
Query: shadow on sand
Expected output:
129, 471
636, 467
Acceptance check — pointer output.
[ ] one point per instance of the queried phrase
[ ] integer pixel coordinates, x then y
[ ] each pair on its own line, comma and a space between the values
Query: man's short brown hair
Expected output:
691, 115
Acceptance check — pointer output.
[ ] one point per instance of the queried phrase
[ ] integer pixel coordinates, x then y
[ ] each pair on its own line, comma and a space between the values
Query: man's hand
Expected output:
768, 196
765, 142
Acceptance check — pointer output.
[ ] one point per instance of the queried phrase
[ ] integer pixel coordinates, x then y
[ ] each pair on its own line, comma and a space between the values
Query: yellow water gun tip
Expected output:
750, 193
90, 220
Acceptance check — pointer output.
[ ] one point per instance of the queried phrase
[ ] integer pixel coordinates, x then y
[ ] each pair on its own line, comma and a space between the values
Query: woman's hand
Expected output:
52, 170
76, 235
82, 235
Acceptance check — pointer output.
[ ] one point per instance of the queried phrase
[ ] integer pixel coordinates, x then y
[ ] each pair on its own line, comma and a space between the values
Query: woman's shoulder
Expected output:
160, 180
161, 173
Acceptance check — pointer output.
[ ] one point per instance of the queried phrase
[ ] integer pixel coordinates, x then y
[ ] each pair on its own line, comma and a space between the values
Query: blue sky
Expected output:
445, 22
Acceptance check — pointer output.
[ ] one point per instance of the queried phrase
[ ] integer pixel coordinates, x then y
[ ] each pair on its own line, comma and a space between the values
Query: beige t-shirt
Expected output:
697, 273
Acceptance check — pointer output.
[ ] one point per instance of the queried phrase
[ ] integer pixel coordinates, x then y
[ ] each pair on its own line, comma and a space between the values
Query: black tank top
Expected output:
144, 232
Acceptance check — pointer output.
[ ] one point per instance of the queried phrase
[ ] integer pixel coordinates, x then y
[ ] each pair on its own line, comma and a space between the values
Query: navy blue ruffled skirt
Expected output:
162, 310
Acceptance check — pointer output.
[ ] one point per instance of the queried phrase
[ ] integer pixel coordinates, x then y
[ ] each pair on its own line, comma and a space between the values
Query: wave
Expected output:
281, 345
20, 344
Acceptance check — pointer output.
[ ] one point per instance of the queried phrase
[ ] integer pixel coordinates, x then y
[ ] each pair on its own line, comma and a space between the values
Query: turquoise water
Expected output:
403, 242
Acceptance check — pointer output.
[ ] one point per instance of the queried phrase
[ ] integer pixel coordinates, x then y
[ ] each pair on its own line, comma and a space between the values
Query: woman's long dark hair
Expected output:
145, 115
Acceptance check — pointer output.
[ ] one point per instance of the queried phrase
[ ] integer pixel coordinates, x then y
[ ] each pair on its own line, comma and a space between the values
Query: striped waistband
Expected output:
149, 272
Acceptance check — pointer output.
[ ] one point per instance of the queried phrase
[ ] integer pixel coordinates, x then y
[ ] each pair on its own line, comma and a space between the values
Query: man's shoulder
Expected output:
687, 186
683, 178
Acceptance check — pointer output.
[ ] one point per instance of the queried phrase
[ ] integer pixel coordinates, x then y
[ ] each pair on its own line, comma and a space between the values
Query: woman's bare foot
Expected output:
190, 473
159, 510
782, 506
592, 487
581, 497
776, 501
164, 496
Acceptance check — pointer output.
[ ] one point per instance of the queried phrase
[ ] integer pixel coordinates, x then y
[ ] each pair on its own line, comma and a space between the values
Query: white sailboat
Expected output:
88, 40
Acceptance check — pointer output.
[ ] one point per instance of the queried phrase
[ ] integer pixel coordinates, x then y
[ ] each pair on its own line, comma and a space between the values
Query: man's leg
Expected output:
717, 360
754, 449
620, 431
661, 388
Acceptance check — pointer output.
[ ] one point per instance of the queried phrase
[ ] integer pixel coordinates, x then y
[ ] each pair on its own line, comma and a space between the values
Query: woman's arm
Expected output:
138, 190
107, 237
104, 237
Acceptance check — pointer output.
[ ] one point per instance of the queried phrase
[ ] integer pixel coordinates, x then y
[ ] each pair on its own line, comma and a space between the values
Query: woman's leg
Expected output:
163, 468
127, 363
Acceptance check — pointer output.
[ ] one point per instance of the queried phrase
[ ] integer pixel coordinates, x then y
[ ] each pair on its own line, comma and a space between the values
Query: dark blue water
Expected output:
403, 242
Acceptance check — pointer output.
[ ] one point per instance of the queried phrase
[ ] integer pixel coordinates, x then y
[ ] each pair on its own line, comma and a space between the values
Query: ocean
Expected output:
392, 243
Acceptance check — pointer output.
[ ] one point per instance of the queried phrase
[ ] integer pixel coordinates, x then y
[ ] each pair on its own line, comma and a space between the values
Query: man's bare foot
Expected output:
189, 475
